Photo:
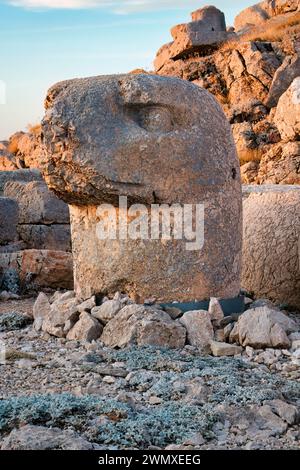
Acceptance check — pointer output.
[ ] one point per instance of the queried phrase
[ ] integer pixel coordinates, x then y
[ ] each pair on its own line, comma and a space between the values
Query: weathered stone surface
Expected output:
253, 15
46, 237
287, 116
249, 172
213, 17
136, 324
207, 29
262, 327
199, 328
107, 310
271, 243
41, 310
19, 175
280, 165
261, 12
87, 305
7, 160
271, 421
9, 214
86, 329
224, 349
283, 78
61, 318
40, 268
166, 124
287, 412
215, 311
31, 437
37, 204
29, 149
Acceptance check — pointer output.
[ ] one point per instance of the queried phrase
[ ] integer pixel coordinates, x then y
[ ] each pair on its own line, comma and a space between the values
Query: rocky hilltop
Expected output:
252, 70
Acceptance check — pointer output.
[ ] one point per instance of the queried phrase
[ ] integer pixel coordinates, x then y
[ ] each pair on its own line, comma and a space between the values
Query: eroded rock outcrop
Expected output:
263, 11
287, 117
207, 29
248, 73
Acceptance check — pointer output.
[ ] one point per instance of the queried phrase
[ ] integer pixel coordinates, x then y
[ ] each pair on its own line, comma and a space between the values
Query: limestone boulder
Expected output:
31, 437
41, 310
46, 237
136, 324
7, 160
271, 243
263, 327
249, 172
174, 146
37, 204
86, 329
55, 316
40, 268
220, 349
283, 78
106, 312
263, 11
199, 328
279, 165
30, 149
287, 116
9, 214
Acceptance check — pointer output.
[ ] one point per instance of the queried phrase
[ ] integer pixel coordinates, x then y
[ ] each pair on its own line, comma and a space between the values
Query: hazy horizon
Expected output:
45, 41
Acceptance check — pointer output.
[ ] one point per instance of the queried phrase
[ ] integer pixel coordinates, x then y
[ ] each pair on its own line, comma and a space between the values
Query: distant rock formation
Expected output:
248, 70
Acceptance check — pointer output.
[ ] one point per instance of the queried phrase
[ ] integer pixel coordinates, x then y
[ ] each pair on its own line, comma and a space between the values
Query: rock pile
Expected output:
118, 323
84, 394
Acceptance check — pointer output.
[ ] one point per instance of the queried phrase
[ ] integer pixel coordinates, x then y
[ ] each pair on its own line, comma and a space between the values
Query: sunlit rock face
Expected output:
153, 140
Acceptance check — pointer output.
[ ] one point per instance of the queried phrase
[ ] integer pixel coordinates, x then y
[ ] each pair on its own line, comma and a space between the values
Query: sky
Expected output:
46, 41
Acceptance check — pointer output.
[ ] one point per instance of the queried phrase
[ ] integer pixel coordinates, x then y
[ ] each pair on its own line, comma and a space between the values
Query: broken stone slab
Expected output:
86, 328
107, 311
9, 214
19, 175
40, 268
46, 237
199, 328
263, 327
31, 437
287, 412
271, 243
37, 204
224, 349
215, 311
271, 421
287, 116
167, 124
283, 78
136, 324
41, 310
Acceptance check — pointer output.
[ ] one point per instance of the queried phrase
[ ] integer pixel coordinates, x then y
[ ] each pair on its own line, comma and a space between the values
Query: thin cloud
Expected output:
118, 7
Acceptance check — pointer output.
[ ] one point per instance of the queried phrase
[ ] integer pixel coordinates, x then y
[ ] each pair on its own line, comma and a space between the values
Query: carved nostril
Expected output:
234, 173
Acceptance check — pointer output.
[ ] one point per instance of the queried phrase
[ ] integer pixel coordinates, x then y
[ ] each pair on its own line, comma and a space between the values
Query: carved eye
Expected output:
156, 119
